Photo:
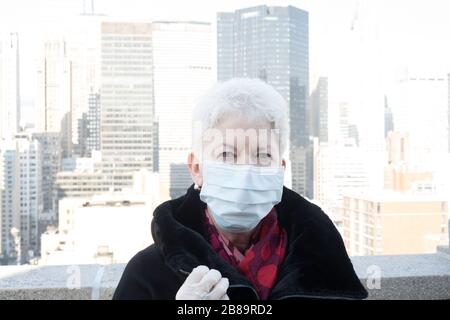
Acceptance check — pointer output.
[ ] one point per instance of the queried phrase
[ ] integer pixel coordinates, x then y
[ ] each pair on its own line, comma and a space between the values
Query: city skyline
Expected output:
331, 23
112, 95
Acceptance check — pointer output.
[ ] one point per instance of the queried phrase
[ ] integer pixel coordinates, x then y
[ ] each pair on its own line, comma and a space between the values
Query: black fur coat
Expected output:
316, 264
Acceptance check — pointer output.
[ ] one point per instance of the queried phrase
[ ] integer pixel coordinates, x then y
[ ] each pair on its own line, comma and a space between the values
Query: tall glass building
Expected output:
271, 43
127, 102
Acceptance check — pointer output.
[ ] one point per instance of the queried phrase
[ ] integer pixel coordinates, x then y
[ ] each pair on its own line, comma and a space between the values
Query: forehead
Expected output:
230, 122
239, 132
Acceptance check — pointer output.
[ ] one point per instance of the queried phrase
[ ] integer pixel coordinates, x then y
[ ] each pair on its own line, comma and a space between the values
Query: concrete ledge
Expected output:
424, 276
75, 282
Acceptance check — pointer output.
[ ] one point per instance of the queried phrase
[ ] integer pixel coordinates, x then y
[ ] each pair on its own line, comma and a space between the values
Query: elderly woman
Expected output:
238, 233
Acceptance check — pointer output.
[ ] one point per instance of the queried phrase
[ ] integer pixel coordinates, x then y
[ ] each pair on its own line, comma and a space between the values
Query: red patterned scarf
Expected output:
262, 259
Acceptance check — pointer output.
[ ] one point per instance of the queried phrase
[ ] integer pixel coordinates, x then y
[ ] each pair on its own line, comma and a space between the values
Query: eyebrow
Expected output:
263, 148
225, 145
258, 148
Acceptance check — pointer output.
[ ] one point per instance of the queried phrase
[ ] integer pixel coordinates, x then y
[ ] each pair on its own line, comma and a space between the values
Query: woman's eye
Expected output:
264, 155
226, 155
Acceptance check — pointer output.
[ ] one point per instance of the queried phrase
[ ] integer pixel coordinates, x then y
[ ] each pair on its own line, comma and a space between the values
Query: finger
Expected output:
219, 290
196, 275
209, 280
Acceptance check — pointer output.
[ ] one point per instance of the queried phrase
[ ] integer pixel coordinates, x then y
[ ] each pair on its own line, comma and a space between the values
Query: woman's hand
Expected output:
203, 284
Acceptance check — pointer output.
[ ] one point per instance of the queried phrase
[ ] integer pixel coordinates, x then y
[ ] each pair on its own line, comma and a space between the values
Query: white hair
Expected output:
252, 99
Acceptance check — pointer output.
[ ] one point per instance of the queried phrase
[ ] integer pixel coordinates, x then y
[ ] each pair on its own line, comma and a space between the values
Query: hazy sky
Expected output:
414, 32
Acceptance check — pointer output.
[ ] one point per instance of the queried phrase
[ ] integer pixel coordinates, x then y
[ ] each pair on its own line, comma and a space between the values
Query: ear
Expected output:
194, 169
283, 164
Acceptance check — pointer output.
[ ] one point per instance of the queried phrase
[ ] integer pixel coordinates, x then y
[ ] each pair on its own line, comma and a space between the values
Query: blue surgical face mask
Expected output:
240, 196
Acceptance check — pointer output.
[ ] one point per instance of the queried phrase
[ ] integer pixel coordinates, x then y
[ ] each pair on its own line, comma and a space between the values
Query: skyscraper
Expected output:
51, 163
54, 86
399, 175
182, 59
9, 85
338, 169
271, 43
419, 103
21, 197
83, 49
348, 131
388, 118
67, 71
80, 149
127, 103
93, 124
319, 110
